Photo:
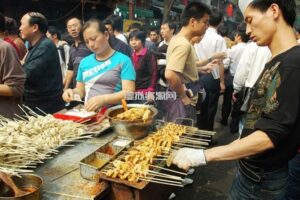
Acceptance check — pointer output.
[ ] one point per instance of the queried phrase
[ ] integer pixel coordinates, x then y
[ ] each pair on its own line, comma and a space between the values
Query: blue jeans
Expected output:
271, 187
293, 189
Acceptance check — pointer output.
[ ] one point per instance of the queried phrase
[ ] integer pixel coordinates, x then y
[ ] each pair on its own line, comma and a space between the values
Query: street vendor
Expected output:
270, 137
104, 77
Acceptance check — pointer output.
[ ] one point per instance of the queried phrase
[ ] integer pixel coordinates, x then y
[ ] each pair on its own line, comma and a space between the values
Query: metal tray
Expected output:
90, 165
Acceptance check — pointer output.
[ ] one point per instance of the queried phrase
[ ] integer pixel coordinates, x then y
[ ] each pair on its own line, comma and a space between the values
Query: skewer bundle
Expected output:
27, 141
137, 162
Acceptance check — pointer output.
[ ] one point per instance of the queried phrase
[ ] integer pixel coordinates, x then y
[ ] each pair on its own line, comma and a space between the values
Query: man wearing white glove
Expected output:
270, 137
187, 157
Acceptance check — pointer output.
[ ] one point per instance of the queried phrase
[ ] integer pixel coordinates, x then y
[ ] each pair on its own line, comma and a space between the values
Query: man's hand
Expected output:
187, 157
94, 104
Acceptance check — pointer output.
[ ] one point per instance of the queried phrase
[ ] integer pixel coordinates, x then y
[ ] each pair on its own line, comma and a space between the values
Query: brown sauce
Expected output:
29, 189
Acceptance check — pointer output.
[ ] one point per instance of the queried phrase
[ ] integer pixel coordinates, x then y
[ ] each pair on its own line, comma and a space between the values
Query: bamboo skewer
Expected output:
188, 145
194, 138
186, 141
166, 169
197, 134
165, 175
161, 182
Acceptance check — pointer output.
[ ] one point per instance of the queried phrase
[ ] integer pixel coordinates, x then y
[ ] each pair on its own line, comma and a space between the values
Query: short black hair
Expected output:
215, 18
68, 19
137, 26
2, 23
107, 22
38, 19
11, 26
154, 29
53, 30
172, 25
117, 23
194, 10
68, 38
139, 35
241, 31
288, 8
223, 30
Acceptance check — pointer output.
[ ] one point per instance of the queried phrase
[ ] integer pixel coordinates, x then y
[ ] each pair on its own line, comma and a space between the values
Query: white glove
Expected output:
186, 157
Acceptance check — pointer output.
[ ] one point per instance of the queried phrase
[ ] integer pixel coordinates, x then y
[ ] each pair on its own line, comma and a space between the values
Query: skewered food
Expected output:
26, 142
135, 114
136, 161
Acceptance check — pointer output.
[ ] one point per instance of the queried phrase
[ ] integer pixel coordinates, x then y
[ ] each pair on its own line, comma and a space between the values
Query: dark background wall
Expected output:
56, 11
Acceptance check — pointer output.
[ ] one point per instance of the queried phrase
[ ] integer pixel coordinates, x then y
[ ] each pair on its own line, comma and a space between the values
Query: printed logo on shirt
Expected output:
96, 69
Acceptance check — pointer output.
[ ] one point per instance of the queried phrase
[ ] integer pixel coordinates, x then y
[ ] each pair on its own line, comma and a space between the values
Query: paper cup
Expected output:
215, 72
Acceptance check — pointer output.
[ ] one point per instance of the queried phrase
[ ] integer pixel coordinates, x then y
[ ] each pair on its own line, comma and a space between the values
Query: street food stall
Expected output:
115, 159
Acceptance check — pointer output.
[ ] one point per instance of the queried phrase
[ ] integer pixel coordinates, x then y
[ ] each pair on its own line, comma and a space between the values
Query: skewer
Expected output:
165, 175
188, 146
163, 180
197, 134
159, 182
159, 158
201, 132
186, 141
41, 110
194, 138
166, 169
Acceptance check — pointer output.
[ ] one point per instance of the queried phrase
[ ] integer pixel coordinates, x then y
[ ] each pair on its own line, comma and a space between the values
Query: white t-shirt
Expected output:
122, 38
250, 66
234, 55
211, 43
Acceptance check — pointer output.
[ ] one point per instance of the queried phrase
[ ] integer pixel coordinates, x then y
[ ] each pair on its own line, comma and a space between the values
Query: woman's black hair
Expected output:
141, 35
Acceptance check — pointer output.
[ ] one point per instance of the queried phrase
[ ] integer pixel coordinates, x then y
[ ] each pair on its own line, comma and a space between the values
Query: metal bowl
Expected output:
28, 182
133, 129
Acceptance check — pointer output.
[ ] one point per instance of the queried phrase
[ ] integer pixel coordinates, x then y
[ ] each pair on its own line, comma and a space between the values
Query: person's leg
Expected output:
212, 109
241, 189
202, 117
274, 184
293, 189
226, 106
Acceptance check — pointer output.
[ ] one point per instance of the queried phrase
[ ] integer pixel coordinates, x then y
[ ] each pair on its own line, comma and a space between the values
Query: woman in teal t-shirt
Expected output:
104, 77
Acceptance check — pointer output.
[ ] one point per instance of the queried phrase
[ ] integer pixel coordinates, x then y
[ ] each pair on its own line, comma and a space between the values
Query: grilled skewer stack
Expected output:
26, 141
137, 164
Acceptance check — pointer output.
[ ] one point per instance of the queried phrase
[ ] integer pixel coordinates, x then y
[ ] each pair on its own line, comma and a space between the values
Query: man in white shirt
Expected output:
249, 69
234, 55
251, 65
62, 47
117, 26
211, 43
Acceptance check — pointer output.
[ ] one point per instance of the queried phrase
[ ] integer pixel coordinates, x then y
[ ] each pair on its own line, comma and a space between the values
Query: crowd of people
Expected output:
182, 69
